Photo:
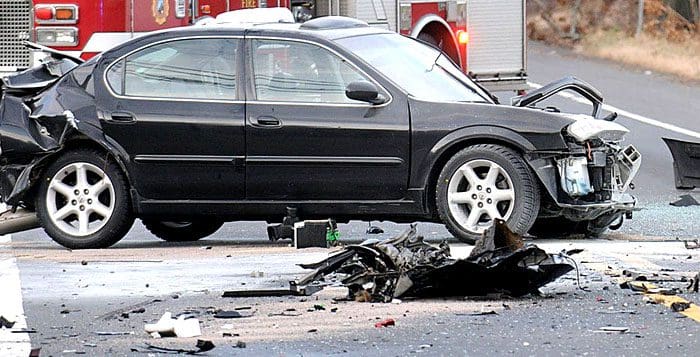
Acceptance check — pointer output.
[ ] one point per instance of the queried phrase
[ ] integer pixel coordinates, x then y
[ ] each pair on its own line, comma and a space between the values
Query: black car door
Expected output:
305, 140
176, 109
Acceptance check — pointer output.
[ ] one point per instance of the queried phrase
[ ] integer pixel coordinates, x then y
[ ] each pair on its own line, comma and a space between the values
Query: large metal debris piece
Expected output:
406, 266
686, 162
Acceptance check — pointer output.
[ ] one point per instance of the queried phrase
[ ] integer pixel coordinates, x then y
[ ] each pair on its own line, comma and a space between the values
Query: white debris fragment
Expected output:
180, 327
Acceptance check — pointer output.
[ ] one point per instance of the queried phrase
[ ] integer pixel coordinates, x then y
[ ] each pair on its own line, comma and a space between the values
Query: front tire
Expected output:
483, 182
83, 200
186, 231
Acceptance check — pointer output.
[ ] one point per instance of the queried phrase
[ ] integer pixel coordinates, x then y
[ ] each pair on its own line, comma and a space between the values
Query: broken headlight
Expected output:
598, 166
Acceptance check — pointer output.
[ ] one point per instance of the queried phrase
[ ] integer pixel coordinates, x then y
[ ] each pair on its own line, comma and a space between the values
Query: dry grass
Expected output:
659, 55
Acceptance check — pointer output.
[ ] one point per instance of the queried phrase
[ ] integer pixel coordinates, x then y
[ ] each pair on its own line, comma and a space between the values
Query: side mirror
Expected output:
365, 92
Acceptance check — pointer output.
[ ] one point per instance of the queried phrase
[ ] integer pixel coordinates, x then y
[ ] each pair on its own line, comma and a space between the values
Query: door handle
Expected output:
268, 121
122, 117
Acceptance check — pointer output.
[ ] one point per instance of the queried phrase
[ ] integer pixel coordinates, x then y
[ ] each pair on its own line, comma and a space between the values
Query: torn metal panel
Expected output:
686, 162
406, 266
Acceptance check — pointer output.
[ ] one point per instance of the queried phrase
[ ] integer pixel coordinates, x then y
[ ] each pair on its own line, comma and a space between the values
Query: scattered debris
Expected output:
24, 330
613, 329
385, 323
114, 333
239, 344
685, 201
284, 229
35, 352
694, 283
137, 308
691, 244
373, 229
312, 330
477, 313
406, 266
285, 313
5, 323
679, 306
294, 290
309, 234
226, 314
167, 326
201, 346
631, 312
84, 262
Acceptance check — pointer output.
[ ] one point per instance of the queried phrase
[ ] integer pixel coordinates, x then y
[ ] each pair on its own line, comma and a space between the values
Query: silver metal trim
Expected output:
56, 28
390, 98
111, 91
54, 21
356, 160
186, 158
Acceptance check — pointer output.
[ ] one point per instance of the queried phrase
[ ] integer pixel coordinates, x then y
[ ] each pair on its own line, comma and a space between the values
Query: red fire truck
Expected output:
485, 37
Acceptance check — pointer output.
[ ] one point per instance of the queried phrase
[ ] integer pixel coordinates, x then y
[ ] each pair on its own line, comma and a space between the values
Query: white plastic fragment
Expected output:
180, 327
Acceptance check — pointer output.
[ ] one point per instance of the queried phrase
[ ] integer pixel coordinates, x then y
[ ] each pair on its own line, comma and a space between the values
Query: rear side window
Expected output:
202, 68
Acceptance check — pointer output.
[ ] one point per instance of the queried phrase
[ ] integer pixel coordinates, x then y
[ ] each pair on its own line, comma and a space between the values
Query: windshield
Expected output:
415, 67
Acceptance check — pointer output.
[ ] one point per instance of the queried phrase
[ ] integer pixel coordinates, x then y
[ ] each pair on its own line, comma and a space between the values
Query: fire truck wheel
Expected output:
182, 231
83, 200
483, 182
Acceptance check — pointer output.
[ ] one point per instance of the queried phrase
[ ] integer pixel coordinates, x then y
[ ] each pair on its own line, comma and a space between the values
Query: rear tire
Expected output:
83, 200
186, 231
483, 182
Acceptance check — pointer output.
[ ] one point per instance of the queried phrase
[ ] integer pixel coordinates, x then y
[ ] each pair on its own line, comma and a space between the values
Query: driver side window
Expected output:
288, 71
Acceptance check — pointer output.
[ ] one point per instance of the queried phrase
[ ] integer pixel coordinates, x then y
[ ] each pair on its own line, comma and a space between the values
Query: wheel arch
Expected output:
461, 139
84, 142
437, 27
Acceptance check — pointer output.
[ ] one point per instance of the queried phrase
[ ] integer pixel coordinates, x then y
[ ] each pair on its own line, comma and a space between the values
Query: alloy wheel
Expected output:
80, 199
479, 191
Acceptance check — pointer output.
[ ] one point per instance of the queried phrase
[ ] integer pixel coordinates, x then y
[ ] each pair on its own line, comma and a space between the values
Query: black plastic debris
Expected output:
686, 162
406, 266
230, 314
200, 347
685, 201
373, 229
5, 323
679, 306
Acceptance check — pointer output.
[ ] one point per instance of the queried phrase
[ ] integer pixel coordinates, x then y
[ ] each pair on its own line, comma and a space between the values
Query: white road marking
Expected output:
12, 344
627, 114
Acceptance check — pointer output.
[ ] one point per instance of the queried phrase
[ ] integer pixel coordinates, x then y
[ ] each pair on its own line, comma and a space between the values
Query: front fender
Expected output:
463, 137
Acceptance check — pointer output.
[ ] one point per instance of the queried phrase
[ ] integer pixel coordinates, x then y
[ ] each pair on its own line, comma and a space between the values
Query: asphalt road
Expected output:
66, 302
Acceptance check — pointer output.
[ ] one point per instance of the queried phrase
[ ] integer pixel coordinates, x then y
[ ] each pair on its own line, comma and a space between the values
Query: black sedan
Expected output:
189, 128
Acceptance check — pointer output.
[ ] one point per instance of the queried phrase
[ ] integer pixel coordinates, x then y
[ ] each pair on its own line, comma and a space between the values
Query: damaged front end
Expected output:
33, 123
589, 181
406, 266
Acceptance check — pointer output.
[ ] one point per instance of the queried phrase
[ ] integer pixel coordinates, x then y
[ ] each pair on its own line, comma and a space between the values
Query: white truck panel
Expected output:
377, 13
496, 43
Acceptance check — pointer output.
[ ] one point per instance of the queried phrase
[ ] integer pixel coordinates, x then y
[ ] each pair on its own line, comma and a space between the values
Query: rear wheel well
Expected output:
442, 160
76, 144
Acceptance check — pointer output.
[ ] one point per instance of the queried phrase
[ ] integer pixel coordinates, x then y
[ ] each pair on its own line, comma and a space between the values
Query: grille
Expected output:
15, 27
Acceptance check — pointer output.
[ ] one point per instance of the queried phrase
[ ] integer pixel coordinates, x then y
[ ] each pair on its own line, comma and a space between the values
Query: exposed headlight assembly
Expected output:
587, 129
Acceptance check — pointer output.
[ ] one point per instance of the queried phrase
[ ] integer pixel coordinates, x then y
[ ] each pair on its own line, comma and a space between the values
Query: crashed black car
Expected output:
189, 128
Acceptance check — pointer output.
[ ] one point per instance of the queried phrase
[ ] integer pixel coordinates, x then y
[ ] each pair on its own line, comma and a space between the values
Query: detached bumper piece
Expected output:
406, 266
686, 162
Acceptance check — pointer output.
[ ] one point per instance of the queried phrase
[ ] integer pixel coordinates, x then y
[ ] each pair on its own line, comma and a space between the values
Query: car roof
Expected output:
328, 27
